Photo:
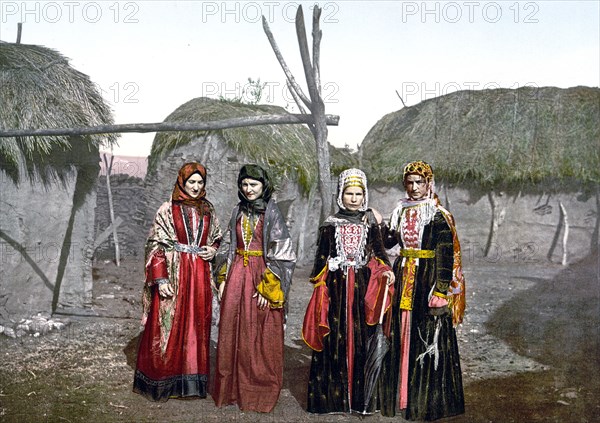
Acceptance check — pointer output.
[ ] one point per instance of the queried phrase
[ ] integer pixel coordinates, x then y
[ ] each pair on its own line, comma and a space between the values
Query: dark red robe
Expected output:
250, 352
182, 369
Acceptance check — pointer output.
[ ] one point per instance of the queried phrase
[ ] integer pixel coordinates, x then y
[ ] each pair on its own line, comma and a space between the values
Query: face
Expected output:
252, 188
416, 187
352, 198
194, 185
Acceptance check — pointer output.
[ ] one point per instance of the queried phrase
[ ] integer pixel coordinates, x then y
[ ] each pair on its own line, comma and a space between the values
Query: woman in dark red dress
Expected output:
173, 354
260, 263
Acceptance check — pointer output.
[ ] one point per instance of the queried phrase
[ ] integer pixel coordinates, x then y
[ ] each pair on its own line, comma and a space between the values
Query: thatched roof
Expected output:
498, 137
342, 159
39, 89
286, 150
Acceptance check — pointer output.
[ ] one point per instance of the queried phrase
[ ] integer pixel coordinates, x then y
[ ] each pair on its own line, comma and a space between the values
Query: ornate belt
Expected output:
248, 253
412, 253
187, 248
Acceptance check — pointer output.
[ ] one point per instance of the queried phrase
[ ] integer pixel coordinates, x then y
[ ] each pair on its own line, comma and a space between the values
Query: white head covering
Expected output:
353, 178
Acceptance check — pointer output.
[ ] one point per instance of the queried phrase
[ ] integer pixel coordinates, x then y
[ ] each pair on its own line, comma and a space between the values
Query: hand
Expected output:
221, 290
207, 253
378, 216
165, 290
391, 278
262, 301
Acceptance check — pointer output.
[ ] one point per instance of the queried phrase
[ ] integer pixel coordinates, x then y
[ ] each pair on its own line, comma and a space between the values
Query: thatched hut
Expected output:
48, 183
517, 167
286, 151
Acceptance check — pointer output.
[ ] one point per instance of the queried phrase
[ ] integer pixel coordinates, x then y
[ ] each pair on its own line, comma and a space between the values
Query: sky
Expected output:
150, 57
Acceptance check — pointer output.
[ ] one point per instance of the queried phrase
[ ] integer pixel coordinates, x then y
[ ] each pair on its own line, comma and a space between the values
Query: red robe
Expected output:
173, 356
250, 351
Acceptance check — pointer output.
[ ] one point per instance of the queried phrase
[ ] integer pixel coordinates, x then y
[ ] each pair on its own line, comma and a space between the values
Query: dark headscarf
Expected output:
257, 173
180, 196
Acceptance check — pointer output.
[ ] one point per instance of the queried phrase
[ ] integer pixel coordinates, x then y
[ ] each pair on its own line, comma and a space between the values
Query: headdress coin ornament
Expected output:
353, 178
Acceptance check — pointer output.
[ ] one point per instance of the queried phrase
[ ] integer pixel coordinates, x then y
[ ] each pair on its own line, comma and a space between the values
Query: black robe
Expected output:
432, 393
328, 379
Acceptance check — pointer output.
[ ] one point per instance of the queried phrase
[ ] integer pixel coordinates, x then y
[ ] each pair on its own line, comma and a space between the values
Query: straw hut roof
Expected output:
493, 138
288, 151
342, 159
39, 89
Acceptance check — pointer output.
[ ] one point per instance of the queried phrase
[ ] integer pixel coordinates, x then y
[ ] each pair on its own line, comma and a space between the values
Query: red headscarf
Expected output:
179, 194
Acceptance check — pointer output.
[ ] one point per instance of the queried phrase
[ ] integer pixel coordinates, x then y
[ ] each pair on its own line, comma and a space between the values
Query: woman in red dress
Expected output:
173, 354
260, 263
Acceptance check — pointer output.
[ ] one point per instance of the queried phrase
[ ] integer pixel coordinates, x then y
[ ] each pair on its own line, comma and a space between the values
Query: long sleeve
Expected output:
324, 247
444, 253
158, 267
377, 245
389, 237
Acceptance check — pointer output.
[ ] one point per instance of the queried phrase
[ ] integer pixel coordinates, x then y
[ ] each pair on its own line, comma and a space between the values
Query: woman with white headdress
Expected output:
351, 271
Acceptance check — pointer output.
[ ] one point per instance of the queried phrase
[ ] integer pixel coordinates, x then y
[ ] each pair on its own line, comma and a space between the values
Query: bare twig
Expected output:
117, 405
401, 99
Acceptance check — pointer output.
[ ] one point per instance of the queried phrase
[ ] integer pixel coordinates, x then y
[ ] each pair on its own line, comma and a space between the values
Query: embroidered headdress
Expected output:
353, 178
418, 168
423, 169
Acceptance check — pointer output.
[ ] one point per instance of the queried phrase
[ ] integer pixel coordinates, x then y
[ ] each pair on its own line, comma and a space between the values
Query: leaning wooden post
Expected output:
565, 219
108, 166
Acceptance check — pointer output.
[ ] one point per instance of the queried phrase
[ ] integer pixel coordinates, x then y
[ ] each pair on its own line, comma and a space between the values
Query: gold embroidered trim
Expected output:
411, 253
248, 253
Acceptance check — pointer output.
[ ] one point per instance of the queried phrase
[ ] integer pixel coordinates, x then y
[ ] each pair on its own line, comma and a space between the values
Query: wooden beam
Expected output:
171, 126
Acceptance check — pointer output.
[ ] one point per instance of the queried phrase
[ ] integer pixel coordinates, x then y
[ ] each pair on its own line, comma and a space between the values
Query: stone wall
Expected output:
128, 203
46, 231
530, 228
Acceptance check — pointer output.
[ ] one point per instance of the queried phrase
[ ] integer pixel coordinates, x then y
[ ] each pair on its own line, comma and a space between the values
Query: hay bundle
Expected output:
499, 138
38, 89
288, 151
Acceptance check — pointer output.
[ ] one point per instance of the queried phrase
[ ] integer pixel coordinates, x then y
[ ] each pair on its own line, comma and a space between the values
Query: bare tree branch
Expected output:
297, 100
288, 74
171, 126
317, 35
305, 55
401, 99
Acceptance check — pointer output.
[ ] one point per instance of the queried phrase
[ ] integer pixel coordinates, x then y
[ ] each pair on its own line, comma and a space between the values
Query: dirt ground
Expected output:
530, 351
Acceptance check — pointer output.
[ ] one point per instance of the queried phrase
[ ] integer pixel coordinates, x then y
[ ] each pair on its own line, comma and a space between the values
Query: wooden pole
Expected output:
108, 166
319, 120
565, 219
170, 126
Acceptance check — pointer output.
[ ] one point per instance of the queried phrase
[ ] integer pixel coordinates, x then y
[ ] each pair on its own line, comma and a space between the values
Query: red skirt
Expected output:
182, 371
250, 350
